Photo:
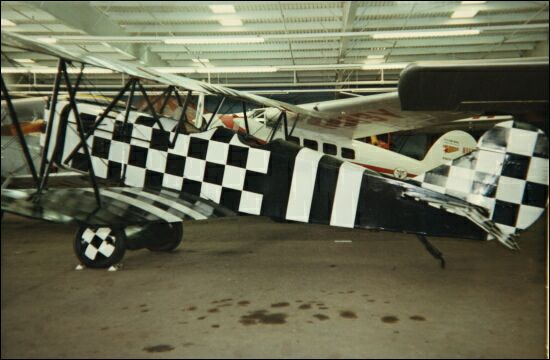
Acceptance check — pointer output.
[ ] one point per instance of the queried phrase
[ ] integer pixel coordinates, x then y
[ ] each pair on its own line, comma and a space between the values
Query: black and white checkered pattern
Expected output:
507, 175
214, 165
98, 243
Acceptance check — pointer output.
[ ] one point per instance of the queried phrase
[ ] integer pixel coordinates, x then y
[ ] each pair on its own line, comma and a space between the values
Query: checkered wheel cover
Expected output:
97, 243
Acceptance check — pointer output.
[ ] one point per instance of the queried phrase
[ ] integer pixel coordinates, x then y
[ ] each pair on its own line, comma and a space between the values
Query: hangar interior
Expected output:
258, 286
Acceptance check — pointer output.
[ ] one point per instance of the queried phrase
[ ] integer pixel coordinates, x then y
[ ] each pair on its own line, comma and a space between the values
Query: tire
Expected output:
175, 230
99, 246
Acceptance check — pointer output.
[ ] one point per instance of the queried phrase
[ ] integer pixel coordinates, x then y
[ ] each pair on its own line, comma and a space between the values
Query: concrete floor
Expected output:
250, 287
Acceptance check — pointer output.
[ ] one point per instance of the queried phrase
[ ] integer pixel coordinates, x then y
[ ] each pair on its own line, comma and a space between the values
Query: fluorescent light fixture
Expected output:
6, 22
214, 40
53, 70
174, 70
472, 2
372, 57
47, 40
25, 61
222, 9
231, 22
464, 13
424, 33
237, 69
200, 60
14, 70
386, 66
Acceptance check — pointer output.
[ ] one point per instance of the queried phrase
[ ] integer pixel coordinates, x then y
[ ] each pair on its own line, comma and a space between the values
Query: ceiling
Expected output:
357, 46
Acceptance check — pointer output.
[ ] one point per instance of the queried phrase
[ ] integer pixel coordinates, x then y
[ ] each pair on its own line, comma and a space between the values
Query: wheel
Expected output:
99, 247
174, 234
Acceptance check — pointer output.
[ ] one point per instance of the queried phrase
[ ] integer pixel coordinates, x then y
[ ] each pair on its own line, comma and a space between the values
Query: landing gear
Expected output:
103, 247
99, 247
172, 233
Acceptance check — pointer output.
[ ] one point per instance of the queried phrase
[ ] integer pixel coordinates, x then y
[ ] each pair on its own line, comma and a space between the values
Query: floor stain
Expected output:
191, 308
371, 300
143, 305
348, 314
201, 318
214, 310
243, 303
321, 317
351, 291
389, 319
323, 308
417, 318
104, 328
280, 304
332, 266
145, 310
263, 317
304, 307
215, 326
386, 302
158, 348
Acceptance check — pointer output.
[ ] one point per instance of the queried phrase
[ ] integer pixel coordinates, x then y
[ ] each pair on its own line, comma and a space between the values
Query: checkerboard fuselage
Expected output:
279, 179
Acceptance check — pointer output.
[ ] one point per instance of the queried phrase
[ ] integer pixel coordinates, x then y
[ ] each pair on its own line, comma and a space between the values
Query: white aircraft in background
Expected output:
370, 152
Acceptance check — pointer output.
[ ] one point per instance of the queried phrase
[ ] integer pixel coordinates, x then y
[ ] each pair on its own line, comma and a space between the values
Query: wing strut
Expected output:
20, 135
183, 116
45, 151
149, 105
214, 113
72, 101
101, 118
246, 119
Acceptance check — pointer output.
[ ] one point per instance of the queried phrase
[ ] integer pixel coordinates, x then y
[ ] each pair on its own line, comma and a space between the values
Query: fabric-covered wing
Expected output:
23, 42
121, 206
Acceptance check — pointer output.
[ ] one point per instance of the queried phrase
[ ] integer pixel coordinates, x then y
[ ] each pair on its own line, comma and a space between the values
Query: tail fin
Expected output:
506, 175
449, 146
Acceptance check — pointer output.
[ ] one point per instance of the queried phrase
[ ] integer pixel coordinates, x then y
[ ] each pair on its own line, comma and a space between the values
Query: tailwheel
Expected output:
168, 237
99, 247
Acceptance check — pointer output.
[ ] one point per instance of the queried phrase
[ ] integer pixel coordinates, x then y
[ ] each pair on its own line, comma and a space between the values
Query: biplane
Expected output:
162, 173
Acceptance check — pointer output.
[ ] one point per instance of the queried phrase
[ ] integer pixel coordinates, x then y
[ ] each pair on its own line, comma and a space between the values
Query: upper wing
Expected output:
23, 42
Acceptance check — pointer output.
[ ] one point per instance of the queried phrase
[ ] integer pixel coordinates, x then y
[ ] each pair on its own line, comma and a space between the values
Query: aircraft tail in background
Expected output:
449, 146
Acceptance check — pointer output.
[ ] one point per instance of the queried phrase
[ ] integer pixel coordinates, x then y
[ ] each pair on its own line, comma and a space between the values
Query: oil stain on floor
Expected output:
348, 314
158, 348
389, 319
263, 317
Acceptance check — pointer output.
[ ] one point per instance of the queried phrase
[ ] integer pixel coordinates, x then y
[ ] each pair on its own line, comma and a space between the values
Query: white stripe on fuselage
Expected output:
303, 184
346, 197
